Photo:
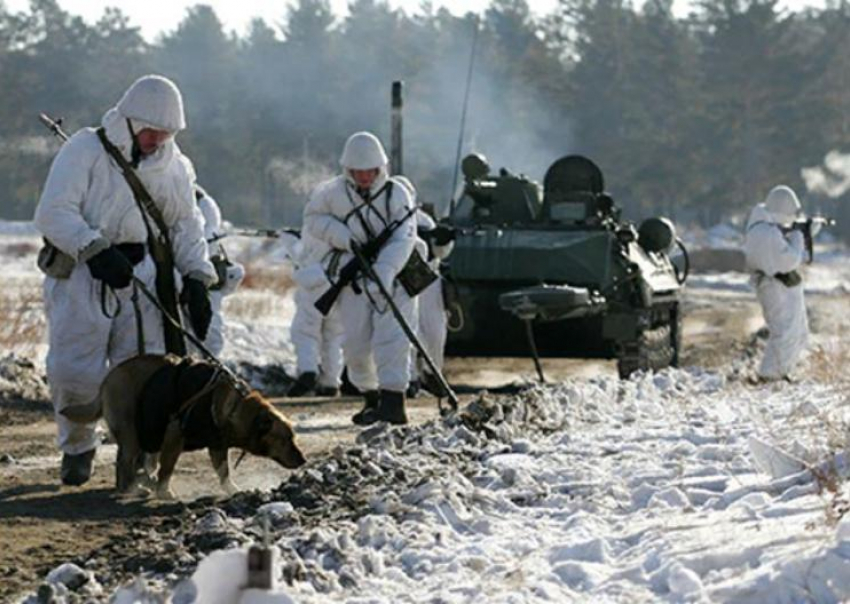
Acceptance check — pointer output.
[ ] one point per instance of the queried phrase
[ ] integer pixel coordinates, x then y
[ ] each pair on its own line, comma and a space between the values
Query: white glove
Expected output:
817, 225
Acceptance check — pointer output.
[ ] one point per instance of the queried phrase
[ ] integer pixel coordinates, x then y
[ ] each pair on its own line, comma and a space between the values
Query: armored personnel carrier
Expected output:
556, 272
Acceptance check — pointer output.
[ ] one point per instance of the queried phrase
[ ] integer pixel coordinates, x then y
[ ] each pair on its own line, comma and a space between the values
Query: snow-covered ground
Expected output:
682, 486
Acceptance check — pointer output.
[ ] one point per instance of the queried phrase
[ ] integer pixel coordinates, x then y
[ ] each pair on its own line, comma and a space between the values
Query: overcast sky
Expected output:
155, 16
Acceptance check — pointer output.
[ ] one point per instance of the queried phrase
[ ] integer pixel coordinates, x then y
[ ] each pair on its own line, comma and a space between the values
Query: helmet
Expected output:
156, 101
782, 205
363, 151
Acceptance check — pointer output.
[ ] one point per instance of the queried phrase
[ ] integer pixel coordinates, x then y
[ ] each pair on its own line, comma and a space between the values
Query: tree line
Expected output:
695, 116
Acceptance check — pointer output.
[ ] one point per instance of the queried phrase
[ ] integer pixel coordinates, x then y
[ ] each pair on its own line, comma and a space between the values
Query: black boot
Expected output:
303, 386
346, 387
369, 413
413, 388
328, 391
391, 408
76, 469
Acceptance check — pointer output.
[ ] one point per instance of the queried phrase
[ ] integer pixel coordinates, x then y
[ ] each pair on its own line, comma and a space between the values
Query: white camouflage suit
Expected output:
431, 320
211, 214
375, 348
85, 207
770, 251
317, 338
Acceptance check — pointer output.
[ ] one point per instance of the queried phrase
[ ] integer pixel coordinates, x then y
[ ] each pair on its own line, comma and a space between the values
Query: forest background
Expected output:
695, 117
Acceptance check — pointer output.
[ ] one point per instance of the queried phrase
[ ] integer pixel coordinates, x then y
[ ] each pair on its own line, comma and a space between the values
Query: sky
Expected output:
157, 16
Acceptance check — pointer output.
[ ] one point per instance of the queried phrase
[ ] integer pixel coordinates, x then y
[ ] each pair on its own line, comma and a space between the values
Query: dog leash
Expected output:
241, 385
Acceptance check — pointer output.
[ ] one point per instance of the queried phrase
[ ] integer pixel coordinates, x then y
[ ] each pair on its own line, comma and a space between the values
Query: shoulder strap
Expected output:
141, 194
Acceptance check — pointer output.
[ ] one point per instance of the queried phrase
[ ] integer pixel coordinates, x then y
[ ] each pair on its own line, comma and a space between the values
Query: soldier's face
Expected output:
150, 139
364, 178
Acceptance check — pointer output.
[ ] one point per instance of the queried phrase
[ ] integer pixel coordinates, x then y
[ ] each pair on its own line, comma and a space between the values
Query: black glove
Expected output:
111, 267
443, 234
197, 299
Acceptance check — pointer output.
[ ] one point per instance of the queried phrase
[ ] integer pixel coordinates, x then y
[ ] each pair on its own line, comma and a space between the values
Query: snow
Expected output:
680, 486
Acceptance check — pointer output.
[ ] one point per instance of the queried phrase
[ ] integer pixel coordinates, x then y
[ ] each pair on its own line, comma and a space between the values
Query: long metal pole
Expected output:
396, 158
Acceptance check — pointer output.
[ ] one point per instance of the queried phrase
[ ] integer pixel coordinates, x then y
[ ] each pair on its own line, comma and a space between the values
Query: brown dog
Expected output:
165, 404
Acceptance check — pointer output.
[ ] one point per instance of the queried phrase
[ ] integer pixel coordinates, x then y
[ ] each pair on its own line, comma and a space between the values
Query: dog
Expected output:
164, 405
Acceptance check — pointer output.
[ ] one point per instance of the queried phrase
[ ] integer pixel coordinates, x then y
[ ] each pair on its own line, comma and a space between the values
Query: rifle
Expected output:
805, 227
354, 267
264, 233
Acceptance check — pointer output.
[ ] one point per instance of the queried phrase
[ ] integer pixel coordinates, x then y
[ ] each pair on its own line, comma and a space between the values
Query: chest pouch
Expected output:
55, 263
416, 275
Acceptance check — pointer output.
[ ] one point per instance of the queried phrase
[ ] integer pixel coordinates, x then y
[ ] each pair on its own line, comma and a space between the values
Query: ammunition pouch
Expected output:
789, 279
416, 275
55, 263
220, 264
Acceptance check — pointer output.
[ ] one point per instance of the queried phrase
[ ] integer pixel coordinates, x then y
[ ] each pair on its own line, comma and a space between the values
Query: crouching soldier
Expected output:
359, 207
99, 235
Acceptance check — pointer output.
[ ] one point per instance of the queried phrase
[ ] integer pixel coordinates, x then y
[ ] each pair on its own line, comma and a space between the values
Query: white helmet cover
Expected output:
154, 100
363, 151
782, 205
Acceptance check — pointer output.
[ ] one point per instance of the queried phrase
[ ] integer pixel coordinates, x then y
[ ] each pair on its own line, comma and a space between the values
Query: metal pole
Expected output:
396, 165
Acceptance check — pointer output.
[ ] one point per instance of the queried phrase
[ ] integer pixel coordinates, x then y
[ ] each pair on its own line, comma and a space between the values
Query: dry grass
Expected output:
23, 323
277, 278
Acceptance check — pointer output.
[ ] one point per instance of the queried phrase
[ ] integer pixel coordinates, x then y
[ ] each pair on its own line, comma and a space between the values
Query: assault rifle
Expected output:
354, 268
263, 233
805, 225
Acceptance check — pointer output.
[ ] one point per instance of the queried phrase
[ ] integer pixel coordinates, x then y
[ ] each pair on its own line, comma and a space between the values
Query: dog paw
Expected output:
136, 491
166, 494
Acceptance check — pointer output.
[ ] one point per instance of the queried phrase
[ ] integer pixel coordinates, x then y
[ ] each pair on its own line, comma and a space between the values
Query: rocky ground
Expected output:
45, 524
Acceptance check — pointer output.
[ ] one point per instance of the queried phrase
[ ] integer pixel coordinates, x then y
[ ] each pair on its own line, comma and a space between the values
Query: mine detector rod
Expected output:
447, 390
453, 202
55, 126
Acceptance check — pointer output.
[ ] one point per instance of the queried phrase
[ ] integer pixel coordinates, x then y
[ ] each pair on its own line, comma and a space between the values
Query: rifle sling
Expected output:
140, 193
160, 248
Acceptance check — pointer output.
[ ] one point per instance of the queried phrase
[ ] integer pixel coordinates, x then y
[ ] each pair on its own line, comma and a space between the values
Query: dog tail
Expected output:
83, 414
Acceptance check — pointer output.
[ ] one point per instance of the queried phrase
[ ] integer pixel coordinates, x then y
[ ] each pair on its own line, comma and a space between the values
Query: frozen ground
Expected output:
684, 486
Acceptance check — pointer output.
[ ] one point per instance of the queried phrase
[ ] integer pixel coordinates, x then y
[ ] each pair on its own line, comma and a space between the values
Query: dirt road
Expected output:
43, 524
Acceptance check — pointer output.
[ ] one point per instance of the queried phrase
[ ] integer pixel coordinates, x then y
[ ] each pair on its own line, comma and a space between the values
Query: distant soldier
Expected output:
99, 236
229, 274
774, 254
432, 320
356, 209
317, 339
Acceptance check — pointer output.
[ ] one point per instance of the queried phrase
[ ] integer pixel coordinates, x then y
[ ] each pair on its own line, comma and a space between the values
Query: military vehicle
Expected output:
556, 272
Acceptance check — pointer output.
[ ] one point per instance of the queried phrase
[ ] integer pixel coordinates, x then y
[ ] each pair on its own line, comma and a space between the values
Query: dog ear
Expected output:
263, 423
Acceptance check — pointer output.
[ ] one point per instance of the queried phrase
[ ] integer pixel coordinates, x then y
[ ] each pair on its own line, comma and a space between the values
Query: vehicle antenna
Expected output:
463, 113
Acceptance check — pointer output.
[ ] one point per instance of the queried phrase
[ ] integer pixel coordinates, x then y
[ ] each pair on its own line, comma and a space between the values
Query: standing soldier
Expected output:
431, 319
317, 338
355, 209
774, 253
229, 274
99, 239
